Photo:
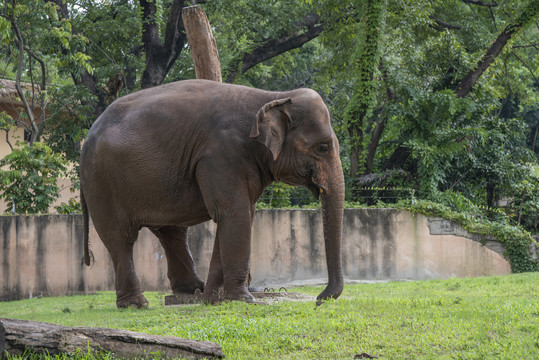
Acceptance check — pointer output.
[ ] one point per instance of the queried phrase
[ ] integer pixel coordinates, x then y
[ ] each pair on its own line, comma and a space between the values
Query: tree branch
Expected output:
525, 65
442, 24
42, 100
7, 138
480, 3
20, 43
465, 86
308, 29
535, 46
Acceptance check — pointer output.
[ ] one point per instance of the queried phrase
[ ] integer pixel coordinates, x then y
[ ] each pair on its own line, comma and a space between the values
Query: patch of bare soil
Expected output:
261, 297
271, 297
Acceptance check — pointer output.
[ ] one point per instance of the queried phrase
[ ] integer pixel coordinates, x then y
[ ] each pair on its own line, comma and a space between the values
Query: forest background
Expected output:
435, 103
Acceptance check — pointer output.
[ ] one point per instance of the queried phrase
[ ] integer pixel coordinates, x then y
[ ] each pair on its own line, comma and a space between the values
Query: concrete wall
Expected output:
41, 255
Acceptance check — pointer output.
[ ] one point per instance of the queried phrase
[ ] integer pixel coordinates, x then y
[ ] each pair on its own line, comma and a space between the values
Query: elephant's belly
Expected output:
180, 212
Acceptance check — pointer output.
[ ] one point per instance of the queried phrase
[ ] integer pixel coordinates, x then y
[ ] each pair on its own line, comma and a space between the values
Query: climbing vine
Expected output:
367, 59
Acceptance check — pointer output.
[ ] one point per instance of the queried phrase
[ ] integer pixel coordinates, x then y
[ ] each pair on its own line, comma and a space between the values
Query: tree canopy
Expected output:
435, 97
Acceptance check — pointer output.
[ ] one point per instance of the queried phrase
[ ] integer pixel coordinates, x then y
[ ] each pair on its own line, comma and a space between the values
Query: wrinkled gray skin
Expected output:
183, 153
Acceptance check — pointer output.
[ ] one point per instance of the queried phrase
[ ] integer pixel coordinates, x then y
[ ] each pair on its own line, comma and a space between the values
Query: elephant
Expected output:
191, 151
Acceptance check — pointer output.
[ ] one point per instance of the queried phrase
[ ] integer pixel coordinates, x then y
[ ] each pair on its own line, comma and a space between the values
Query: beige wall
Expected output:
41, 254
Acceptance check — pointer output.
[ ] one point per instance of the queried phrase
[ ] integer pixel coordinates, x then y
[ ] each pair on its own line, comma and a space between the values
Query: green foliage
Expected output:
241, 25
28, 184
524, 204
281, 195
367, 59
7, 124
68, 124
470, 318
71, 207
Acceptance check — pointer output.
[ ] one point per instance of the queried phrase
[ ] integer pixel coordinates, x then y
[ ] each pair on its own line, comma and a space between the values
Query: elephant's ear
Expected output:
271, 124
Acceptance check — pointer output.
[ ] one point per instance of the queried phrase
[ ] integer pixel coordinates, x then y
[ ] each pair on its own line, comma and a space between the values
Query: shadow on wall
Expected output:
41, 255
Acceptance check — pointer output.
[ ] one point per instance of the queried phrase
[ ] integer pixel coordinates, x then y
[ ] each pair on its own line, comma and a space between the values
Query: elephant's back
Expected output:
181, 104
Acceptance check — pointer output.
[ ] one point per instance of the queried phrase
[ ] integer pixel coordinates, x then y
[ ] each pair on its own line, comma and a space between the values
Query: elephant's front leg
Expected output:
234, 236
228, 201
214, 283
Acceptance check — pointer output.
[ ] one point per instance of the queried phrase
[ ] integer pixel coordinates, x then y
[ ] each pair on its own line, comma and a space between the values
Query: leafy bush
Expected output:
29, 175
281, 195
524, 203
71, 207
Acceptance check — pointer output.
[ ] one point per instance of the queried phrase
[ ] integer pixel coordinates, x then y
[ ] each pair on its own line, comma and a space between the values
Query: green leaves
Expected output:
29, 183
5, 31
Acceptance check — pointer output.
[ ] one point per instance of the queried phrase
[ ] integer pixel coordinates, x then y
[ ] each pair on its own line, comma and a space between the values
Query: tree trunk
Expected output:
18, 335
202, 44
378, 131
534, 141
373, 145
160, 56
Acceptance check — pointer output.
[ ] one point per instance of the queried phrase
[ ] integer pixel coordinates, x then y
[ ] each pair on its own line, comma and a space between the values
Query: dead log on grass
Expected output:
18, 335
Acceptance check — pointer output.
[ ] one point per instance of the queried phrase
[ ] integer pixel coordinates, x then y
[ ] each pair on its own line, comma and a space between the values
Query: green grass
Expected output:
481, 318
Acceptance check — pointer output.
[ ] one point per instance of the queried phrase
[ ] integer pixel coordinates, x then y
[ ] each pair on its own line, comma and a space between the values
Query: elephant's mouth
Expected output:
315, 190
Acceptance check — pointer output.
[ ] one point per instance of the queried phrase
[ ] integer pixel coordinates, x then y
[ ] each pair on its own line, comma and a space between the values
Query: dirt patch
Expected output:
261, 297
273, 297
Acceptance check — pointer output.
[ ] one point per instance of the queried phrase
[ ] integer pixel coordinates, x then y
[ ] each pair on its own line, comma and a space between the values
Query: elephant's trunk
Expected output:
332, 196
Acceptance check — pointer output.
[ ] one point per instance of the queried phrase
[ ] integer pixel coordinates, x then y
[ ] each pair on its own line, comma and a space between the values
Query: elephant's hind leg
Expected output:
120, 246
181, 268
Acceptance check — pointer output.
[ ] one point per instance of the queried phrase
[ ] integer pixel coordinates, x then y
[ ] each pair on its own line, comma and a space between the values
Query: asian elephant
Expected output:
179, 154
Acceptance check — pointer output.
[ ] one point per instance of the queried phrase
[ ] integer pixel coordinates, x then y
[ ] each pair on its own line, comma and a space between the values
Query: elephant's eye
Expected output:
322, 149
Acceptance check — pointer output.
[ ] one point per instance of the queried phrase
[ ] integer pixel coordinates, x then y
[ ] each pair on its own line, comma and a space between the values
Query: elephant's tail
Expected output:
88, 256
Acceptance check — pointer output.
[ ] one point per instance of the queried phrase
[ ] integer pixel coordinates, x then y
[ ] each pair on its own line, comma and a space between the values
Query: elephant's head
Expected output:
297, 131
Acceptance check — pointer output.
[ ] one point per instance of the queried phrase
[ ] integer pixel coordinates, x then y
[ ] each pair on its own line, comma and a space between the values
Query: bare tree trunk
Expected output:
202, 44
18, 335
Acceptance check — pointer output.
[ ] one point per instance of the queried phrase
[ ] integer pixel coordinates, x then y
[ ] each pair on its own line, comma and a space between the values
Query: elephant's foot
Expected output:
188, 288
239, 295
216, 296
210, 296
131, 300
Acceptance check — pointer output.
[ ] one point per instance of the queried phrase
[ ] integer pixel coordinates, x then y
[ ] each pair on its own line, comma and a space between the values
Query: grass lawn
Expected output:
481, 318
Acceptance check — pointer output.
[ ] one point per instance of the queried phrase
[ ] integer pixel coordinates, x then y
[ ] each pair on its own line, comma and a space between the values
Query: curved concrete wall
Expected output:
41, 255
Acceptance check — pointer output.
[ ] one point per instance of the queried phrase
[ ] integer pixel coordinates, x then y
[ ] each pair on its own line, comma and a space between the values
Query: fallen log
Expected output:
18, 335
